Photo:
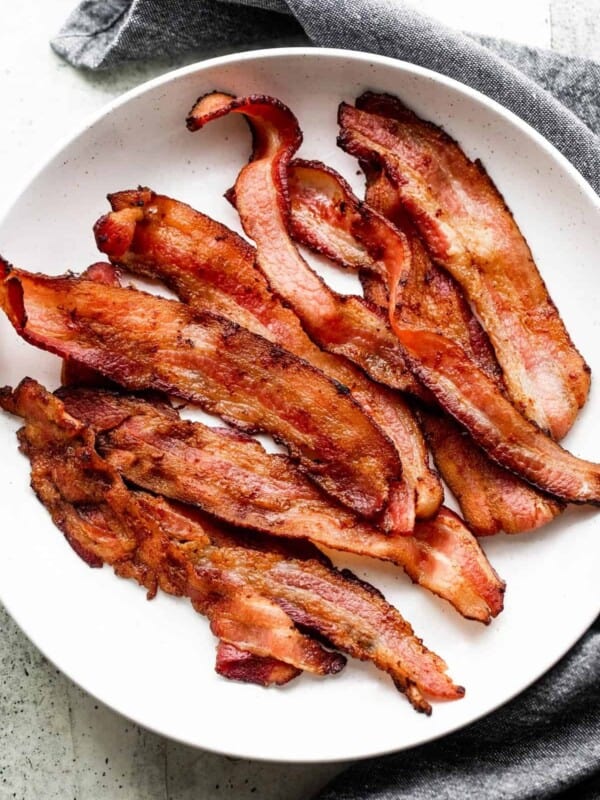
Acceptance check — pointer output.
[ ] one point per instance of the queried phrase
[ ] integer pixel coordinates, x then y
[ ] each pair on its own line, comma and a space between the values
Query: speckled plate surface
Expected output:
153, 662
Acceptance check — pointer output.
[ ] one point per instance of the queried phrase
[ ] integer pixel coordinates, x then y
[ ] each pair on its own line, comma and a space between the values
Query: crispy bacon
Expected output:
72, 373
331, 220
106, 523
338, 607
158, 544
354, 618
469, 229
230, 476
339, 323
323, 213
142, 341
207, 265
261, 199
473, 399
491, 498
325, 216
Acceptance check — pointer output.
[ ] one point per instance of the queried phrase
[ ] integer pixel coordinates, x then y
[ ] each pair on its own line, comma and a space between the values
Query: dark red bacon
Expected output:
106, 523
232, 477
240, 665
250, 595
209, 266
145, 342
468, 228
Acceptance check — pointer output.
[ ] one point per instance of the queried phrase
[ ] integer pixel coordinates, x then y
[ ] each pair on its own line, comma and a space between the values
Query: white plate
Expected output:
154, 661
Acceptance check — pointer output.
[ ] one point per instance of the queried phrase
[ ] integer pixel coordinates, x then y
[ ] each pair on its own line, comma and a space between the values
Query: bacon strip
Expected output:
209, 266
142, 341
473, 399
323, 216
260, 194
232, 477
317, 603
469, 230
106, 523
158, 544
339, 323
72, 372
491, 498
355, 618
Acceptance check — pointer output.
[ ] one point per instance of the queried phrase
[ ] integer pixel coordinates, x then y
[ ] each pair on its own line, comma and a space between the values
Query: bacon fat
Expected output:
468, 228
148, 539
231, 476
143, 341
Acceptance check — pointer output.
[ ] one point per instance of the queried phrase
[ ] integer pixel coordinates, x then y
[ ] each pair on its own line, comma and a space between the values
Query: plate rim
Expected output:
275, 52
260, 55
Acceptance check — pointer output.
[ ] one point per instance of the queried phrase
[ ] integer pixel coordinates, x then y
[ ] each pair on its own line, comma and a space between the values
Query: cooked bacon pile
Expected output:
455, 347
254, 593
476, 394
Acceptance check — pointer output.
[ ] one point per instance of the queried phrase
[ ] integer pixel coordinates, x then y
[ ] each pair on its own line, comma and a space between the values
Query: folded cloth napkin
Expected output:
546, 742
538, 86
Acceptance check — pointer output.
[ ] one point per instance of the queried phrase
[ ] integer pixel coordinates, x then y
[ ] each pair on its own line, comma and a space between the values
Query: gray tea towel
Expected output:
546, 742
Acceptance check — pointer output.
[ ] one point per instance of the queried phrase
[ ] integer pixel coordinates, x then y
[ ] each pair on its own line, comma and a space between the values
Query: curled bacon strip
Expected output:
142, 341
207, 265
158, 544
343, 325
232, 477
468, 228
323, 216
339, 323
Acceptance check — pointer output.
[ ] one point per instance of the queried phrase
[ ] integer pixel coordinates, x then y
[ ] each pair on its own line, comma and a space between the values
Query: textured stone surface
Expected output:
37, 757
575, 27
194, 774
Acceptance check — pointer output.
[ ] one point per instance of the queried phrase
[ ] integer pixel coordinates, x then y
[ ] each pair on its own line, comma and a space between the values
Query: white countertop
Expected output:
55, 740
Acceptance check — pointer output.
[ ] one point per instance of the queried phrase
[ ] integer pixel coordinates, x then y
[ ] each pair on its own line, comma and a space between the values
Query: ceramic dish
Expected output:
154, 662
